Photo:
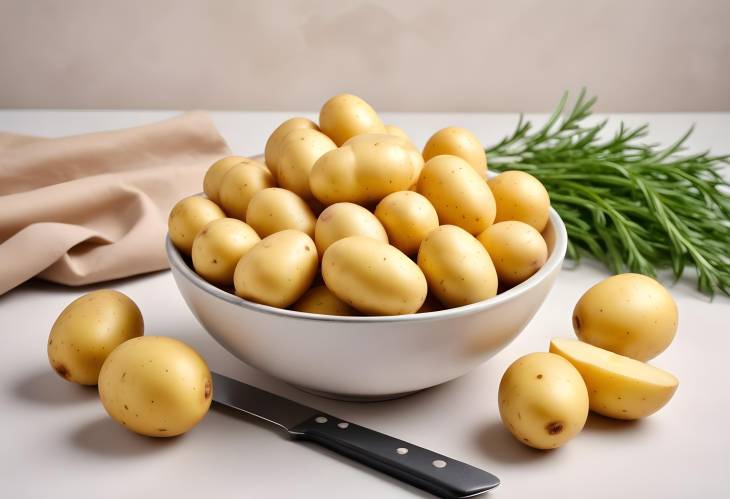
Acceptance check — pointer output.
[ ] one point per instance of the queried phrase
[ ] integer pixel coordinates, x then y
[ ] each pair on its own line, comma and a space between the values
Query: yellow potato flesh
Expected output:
87, 331
156, 386
618, 387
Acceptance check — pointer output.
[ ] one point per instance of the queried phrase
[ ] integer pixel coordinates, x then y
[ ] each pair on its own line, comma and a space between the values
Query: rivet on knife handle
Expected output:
421, 467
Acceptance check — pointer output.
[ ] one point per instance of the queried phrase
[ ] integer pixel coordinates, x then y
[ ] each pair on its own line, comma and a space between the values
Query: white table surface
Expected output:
57, 441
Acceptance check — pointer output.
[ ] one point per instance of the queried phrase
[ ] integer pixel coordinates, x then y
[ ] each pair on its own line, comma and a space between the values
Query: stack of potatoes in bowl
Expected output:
348, 217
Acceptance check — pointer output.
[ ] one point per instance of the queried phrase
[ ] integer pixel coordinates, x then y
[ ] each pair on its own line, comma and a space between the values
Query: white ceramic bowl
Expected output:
368, 358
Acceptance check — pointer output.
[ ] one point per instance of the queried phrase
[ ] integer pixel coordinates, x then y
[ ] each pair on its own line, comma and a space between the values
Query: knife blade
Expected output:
428, 470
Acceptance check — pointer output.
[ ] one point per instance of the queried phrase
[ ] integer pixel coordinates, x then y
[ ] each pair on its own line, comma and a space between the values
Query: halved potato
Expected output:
618, 387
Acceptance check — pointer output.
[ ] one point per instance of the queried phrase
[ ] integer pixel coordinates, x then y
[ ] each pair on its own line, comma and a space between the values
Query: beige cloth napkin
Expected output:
90, 208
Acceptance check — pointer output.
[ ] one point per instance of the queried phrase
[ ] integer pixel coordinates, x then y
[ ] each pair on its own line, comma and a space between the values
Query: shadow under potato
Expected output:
499, 444
601, 424
48, 388
105, 437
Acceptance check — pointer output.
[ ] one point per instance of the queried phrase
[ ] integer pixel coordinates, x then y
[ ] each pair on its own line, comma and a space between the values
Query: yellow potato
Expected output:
461, 197
373, 276
273, 144
345, 115
278, 270
156, 386
457, 142
87, 331
342, 220
320, 300
362, 172
618, 387
543, 401
398, 132
517, 250
186, 219
298, 152
458, 268
275, 209
408, 217
242, 182
218, 247
629, 314
520, 196
216, 172
378, 138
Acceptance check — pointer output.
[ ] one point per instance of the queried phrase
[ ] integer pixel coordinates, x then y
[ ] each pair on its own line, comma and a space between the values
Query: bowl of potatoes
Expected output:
351, 264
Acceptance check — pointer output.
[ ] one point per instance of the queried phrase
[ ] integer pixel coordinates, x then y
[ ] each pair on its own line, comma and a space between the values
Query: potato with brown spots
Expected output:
517, 250
320, 300
543, 400
156, 386
242, 182
629, 314
459, 194
216, 172
187, 217
276, 209
520, 196
341, 220
458, 142
278, 270
218, 248
88, 330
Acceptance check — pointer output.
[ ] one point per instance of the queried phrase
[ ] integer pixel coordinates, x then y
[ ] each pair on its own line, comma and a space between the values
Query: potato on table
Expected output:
543, 400
87, 331
629, 314
156, 386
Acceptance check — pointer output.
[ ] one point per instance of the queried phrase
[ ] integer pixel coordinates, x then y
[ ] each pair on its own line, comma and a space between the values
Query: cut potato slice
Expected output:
618, 387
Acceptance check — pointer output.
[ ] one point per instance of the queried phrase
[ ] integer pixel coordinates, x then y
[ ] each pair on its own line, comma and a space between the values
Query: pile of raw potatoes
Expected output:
389, 226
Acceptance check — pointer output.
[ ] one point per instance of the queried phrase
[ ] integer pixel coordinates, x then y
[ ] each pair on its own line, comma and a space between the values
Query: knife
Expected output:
432, 472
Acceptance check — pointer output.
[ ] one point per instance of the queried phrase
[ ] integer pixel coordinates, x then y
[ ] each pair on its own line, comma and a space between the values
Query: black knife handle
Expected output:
435, 473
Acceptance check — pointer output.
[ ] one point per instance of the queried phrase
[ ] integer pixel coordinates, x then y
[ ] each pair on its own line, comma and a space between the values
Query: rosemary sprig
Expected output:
633, 206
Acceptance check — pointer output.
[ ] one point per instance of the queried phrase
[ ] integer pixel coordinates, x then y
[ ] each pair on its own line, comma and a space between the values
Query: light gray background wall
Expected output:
650, 55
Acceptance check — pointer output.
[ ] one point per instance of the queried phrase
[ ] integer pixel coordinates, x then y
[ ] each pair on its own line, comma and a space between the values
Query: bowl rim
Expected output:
554, 260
